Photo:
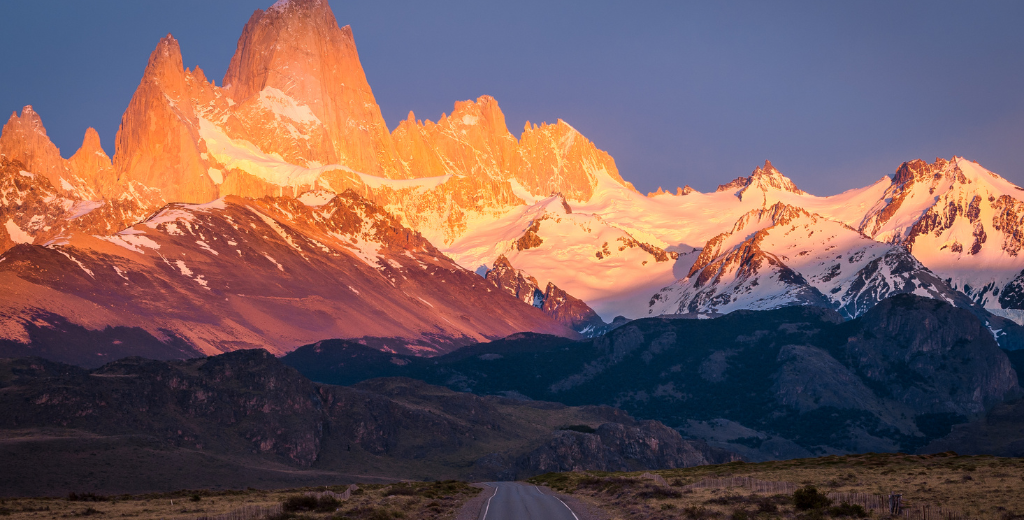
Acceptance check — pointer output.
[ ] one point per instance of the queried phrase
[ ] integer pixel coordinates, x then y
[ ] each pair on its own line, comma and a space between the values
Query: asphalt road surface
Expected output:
517, 501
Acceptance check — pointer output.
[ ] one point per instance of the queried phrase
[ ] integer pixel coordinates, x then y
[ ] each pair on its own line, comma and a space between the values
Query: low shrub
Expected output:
730, 499
368, 513
808, 498
851, 510
610, 486
766, 505
86, 497
697, 513
308, 503
658, 493
400, 490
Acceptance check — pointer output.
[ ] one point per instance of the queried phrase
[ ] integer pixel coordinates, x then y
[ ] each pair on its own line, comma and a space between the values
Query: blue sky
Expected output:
836, 94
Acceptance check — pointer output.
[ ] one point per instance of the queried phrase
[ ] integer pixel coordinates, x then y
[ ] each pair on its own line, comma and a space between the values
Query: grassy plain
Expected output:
417, 500
969, 487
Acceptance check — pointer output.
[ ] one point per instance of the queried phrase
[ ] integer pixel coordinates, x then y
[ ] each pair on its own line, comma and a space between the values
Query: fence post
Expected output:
895, 503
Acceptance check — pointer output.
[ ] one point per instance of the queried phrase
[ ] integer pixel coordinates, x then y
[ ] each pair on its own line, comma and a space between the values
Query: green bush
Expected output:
807, 498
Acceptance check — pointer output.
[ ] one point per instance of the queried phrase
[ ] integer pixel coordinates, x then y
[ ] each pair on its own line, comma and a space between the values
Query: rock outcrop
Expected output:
612, 446
91, 164
158, 144
556, 303
24, 139
293, 56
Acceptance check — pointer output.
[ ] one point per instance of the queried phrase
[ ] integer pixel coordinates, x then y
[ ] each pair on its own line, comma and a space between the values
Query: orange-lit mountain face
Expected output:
294, 123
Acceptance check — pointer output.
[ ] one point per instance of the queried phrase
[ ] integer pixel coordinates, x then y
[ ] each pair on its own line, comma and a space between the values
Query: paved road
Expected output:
518, 501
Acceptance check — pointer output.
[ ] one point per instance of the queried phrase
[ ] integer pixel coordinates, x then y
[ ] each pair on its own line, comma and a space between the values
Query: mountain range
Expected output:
277, 209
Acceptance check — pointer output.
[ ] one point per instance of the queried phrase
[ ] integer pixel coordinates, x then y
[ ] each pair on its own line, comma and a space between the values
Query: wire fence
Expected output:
865, 500
658, 479
931, 513
347, 494
242, 513
774, 487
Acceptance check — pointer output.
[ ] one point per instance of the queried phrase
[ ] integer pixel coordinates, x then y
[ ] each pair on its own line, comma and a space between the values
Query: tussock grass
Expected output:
409, 500
980, 487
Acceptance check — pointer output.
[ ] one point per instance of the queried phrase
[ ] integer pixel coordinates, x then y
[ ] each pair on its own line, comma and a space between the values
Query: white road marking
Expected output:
558, 499
488, 508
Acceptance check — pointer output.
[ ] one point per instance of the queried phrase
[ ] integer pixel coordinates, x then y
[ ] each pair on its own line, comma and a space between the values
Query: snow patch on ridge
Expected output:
183, 268
283, 105
271, 167
80, 264
83, 208
316, 198
131, 241
216, 175
277, 229
422, 184
17, 235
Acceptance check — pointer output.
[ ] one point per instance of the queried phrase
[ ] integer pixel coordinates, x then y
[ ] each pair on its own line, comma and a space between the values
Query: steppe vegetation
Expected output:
415, 500
933, 487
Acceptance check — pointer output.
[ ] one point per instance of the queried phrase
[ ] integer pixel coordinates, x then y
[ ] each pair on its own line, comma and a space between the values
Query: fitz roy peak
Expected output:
277, 209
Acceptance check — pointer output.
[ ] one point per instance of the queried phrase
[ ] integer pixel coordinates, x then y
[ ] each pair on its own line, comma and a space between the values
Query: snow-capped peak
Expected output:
763, 179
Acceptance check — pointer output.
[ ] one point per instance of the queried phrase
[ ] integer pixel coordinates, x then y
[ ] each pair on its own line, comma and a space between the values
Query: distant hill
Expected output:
791, 382
245, 419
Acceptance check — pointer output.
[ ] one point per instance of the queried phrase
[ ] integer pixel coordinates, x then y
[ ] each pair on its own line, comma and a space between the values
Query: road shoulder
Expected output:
474, 508
584, 509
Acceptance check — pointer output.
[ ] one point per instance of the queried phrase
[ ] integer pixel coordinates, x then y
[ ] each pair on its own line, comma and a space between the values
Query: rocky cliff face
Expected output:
903, 339
294, 52
158, 142
24, 139
91, 164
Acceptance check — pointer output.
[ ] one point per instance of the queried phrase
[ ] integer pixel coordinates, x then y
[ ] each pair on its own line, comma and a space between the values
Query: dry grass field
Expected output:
942, 486
417, 500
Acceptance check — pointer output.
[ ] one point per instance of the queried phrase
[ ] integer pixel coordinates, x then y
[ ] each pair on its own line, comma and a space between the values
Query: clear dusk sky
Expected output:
836, 93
